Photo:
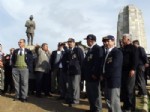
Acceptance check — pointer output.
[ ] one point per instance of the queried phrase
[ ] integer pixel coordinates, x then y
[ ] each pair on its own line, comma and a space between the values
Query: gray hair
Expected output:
127, 35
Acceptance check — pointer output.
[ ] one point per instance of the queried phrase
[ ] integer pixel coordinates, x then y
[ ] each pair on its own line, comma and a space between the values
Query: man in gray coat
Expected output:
30, 24
42, 69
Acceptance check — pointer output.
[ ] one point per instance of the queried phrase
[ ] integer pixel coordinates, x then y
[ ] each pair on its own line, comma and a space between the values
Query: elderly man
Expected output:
21, 62
42, 70
30, 24
90, 72
112, 70
130, 60
9, 84
74, 58
140, 71
56, 66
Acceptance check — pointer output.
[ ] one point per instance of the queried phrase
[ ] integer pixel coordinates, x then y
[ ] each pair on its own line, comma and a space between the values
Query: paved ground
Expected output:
46, 105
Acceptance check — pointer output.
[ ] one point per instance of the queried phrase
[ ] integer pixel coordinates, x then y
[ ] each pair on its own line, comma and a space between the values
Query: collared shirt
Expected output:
92, 45
60, 65
10, 62
71, 48
23, 51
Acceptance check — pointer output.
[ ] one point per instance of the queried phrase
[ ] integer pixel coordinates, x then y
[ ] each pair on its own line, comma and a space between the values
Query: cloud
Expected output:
57, 20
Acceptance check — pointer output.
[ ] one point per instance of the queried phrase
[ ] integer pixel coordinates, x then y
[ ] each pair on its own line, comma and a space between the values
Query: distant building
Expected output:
130, 20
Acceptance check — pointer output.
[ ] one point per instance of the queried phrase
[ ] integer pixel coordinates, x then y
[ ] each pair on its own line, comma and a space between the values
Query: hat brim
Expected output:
70, 41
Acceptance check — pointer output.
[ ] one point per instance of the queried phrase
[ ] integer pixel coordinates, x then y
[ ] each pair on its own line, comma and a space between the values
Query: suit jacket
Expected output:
7, 66
28, 58
142, 57
113, 68
92, 63
30, 26
73, 61
53, 59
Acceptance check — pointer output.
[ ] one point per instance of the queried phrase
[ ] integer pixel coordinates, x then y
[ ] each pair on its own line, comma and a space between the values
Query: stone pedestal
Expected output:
31, 47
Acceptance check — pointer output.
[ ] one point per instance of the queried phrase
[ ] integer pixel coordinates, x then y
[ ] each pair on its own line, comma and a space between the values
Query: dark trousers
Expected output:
140, 80
128, 91
8, 82
32, 86
42, 83
94, 96
62, 83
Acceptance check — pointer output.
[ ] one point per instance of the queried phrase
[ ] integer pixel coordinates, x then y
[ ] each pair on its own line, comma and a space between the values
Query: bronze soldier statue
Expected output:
30, 24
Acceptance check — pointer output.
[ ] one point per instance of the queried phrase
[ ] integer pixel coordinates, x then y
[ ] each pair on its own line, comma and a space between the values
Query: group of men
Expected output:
62, 71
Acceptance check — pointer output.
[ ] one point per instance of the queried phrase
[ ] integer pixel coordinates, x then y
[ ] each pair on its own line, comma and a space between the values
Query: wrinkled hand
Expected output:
94, 77
131, 73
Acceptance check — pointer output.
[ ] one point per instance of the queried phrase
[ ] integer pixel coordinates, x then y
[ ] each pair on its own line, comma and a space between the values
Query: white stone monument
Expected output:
130, 20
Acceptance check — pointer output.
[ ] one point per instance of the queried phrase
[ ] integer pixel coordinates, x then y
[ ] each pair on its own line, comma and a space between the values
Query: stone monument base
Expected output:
31, 47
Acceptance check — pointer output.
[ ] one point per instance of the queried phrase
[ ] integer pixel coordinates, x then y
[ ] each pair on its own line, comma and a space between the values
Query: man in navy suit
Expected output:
22, 60
90, 72
74, 58
58, 76
112, 69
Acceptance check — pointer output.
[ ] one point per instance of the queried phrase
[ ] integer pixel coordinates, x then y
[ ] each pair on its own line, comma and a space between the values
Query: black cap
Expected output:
91, 37
71, 40
60, 44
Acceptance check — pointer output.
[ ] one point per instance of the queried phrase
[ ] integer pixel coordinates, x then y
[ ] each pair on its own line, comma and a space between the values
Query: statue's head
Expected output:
31, 17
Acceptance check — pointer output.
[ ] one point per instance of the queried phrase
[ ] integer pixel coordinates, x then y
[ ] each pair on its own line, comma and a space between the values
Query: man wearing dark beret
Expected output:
112, 69
90, 72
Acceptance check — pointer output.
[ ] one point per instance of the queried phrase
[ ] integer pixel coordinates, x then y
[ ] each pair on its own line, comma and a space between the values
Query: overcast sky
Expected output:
57, 20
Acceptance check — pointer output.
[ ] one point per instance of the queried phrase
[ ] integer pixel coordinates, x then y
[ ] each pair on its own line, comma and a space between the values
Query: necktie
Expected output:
89, 50
106, 55
106, 52
70, 49
20, 52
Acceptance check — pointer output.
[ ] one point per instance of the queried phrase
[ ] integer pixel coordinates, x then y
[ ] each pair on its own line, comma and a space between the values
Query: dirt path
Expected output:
44, 104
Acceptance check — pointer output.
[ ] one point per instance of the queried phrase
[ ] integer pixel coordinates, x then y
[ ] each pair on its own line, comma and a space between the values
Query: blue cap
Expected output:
109, 37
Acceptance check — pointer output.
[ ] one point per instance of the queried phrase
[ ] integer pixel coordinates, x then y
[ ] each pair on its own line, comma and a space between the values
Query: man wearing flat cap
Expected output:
112, 70
74, 58
90, 72
104, 48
